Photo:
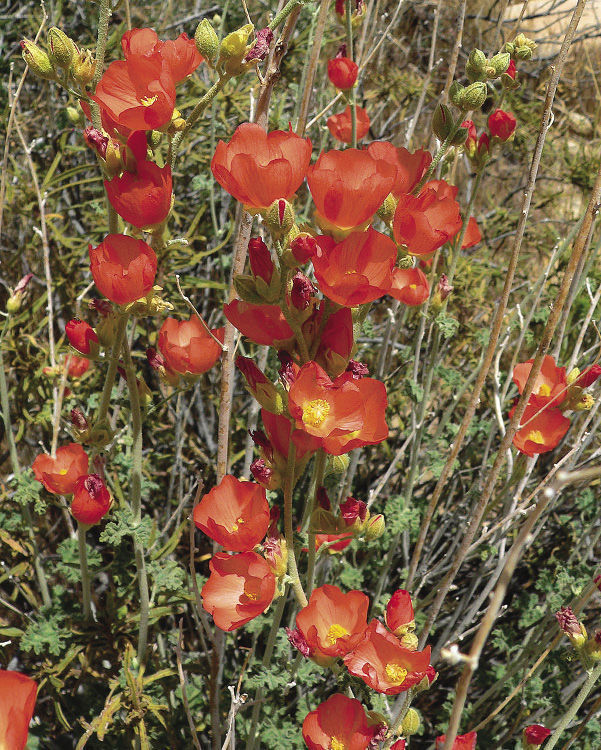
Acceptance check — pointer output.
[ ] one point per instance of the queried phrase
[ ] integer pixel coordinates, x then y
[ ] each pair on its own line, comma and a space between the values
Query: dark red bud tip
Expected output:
78, 419
22, 285
302, 291
155, 360
261, 472
357, 369
94, 485
322, 499
286, 371
297, 640
341, 51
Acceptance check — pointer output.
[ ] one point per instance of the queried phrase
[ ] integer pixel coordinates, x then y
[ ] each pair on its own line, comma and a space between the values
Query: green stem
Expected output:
592, 678
105, 399
14, 459
349, 52
85, 573
318, 472
284, 13
136, 497
269, 647
103, 30
288, 529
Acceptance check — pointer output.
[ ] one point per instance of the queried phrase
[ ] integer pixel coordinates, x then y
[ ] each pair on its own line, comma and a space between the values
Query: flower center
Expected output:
335, 632
62, 472
315, 412
413, 286
147, 101
536, 436
236, 525
250, 595
337, 744
396, 673
544, 390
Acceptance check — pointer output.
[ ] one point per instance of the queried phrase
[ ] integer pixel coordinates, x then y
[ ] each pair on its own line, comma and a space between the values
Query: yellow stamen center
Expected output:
536, 436
315, 412
62, 472
147, 101
396, 673
250, 595
337, 744
412, 286
236, 525
335, 632
544, 390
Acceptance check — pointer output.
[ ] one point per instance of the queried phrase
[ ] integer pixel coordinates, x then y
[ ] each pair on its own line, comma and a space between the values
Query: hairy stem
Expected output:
85, 573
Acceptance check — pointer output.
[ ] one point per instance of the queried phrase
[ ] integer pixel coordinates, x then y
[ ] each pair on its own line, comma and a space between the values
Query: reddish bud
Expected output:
302, 291
261, 440
357, 369
569, 624
78, 420
342, 72
297, 640
588, 376
96, 140
82, 337
444, 288
501, 124
286, 371
304, 248
101, 306
260, 48
262, 473
511, 70
399, 613
352, 510
536, 734
259, 257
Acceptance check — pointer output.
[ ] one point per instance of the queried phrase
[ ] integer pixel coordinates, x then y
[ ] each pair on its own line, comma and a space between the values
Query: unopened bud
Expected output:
207, 41
61, 48
83, 67
74, 115
443, 122
375, 527
456, 93
337, 464
474, 96
246, 289
260, 386
37, 60
79, 421
387, 209
14, 302
499, 64
411, 723
475, 67
569, 624
279, 218
302, 292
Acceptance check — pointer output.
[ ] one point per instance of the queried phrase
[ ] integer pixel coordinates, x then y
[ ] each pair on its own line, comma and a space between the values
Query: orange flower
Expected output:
383, 664
410, 286
340, 723
123, 268
141, 197
82, 337
187, 346
263, 324
341, 125
234, 514
342, 72
501, 124
424, 223
410, 167
374, 428
550, 386
240, 588
399, 613
543, 432
137, 94
332, 623
348, 187
180, 55
59, 475
322, 408
461, 742
17, 702
357, 270
77, 366
473, 235
91, 499
257, 167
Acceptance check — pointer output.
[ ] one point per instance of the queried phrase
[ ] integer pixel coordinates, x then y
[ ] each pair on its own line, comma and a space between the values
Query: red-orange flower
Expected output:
257, 167
501, 124
263, 324
425, 222
373, 429
341, 125
543, 431
91, 499
17, 702
410, 167
410, 286
340, 723
187, 346
399, 612
383, 664
141, 197
137, 94
59, 475
550, 386
322, 408
123, 268
535, 735
342, 72
180, 55
461, 742
472, 235
77, 366
357, 270
348, 187
82, 337
235, 514
240, 588
332, 623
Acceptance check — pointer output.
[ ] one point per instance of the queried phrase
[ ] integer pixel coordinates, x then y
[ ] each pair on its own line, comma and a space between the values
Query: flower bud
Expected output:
275, 551
499, 64
160, 366
79, 422
411, 723
588, 377
375, 527
233, 49
475, 67
259, 257
37, 60
302, 292
337, 464
456, 93
474, 96
246, 289
83, 67
442, 122
279, 218
260, 387
501, 124
82, 337
303, 248
91, 500
61, 49
534, 736
14, 302
355, 514
387, 209
569, 624
593, 647
206, 40
265, 475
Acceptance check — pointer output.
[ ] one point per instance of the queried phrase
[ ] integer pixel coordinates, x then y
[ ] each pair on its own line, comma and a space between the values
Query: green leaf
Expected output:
27, 490
122, 525
68, 566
